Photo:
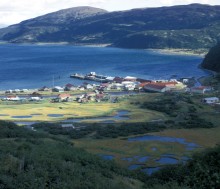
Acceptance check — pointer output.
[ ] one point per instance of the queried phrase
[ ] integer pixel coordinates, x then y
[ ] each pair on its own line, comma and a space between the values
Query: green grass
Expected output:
75, 110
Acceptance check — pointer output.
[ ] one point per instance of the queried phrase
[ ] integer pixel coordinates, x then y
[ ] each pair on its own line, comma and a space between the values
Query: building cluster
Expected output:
97, 92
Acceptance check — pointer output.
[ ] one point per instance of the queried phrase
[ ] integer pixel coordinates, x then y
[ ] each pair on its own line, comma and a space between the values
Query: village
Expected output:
98, 92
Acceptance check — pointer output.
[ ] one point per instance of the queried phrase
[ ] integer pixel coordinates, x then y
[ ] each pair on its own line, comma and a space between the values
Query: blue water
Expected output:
150, 170
34, 66
21, 117
167, 160
140, 159
189, 145
106, 157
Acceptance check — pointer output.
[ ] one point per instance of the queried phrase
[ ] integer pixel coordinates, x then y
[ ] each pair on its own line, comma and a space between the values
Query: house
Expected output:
36, 98
109, 79
68, 126
210, 100
117, 86
156, 87
35, 94
8, 91
88, 86
64, 97
24, 90
44, 88
70, 87
201, 89
129, 85
143, 80
58, 89
129, 78
12, 98
16, 91
118, 79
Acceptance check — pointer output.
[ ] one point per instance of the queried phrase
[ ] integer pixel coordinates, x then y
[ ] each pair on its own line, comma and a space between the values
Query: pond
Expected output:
189, 145
140, 159
121, 115
22, 117
150, 170
106, 157
55, 115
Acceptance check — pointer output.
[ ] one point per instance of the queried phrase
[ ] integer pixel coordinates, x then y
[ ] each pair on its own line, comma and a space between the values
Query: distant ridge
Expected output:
187, 26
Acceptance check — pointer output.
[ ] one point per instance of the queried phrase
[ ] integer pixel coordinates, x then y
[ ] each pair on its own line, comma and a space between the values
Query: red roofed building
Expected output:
156, 87
69, 87
64, 96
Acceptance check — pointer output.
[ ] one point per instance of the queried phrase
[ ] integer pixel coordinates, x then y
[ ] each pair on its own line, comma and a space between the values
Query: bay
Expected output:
34, 66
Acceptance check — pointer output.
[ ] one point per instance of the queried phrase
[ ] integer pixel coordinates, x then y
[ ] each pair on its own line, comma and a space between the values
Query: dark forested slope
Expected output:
30, 160
212, 59
187, 26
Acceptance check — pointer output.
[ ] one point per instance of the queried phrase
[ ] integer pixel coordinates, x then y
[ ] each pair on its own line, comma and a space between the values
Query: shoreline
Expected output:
171, 51
189, 52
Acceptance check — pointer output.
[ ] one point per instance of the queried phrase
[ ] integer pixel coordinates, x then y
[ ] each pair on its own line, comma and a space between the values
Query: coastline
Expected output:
190, 52
167, 51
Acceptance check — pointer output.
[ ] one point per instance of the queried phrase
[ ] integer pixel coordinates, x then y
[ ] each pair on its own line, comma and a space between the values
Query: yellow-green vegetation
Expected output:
76, 110
185, 109
67, 109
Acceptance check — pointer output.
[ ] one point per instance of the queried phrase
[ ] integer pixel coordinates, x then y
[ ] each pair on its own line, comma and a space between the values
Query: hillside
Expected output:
32, 160
187, 26
212, 59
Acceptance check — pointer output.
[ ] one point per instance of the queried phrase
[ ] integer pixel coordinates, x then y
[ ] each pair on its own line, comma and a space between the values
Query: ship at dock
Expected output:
91, 76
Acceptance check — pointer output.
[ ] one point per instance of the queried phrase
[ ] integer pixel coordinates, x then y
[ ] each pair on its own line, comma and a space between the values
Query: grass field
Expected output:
40, 110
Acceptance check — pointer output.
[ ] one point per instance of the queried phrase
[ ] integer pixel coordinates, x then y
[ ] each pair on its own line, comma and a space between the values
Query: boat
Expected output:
78, 76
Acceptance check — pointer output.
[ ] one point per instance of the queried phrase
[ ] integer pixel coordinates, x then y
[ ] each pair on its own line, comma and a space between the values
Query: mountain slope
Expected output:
212, 59
35, 160
189, 26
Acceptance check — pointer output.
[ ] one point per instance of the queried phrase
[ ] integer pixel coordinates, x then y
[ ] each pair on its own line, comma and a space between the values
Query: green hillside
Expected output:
32, 160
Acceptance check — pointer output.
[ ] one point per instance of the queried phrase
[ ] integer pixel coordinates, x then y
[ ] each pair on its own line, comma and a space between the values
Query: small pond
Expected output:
167, 160
150, 170
22, 117
106, 157
55, 115
140, 159
135, 166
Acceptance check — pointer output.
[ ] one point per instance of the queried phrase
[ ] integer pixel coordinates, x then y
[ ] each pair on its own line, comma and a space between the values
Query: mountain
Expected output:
212, 59
187, 26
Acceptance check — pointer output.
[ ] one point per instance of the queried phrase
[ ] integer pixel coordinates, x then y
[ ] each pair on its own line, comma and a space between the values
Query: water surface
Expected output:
34, 66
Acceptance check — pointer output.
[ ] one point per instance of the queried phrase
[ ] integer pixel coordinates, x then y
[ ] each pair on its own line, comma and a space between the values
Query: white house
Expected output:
210, 100
201, 89
35, 98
